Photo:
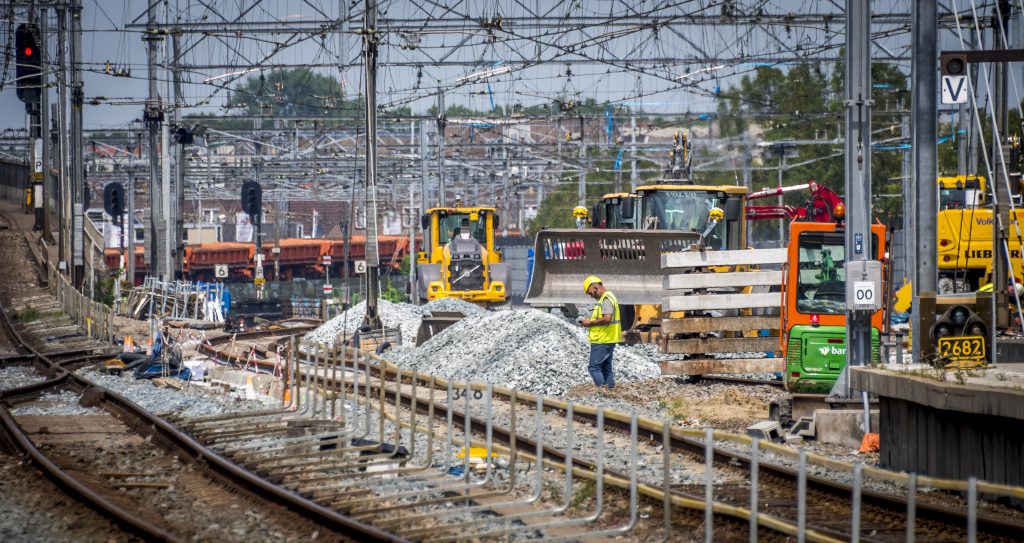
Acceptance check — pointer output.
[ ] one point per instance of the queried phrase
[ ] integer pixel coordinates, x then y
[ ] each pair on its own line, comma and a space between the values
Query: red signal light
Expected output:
29, 51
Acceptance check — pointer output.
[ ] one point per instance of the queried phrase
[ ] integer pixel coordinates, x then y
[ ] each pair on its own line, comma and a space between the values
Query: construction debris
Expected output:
176, 300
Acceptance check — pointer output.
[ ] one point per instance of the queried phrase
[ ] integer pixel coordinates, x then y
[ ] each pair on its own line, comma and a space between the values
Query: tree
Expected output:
294, 92
556, 209
803, 104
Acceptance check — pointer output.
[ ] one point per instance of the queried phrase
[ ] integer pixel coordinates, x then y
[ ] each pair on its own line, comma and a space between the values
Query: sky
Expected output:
534, 59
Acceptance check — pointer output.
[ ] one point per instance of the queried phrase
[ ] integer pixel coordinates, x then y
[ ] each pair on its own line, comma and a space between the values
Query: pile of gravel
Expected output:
406, 317
525, 349
403, 316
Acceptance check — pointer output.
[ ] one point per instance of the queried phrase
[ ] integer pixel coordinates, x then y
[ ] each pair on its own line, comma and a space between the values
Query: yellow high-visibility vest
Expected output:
606, 333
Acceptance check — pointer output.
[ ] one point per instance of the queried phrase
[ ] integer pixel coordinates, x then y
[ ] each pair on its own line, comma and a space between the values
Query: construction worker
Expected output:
581, 215
605, 330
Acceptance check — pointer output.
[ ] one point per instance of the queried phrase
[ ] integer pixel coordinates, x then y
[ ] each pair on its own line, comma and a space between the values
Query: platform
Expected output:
970, 425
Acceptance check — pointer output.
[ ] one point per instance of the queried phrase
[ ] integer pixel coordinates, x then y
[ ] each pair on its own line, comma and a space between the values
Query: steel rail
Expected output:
651, 430
145, 422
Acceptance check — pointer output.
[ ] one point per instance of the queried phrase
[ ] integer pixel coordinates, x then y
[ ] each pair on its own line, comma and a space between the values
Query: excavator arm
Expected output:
821, 205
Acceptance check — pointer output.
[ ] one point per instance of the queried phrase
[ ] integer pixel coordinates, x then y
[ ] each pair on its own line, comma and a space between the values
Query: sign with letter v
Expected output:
954, 89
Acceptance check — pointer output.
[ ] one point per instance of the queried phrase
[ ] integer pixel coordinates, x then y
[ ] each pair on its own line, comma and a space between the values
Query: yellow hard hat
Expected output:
589, 282
580, 212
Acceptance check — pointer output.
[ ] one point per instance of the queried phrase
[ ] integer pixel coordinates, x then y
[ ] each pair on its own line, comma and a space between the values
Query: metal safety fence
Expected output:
96, 319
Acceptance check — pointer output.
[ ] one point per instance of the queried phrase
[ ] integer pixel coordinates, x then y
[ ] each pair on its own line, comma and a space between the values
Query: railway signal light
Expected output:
113, 199
953, 63
28, 63
959, 328
252, 199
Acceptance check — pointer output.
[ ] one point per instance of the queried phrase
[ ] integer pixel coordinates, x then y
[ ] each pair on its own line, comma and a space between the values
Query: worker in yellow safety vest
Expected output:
581, 215
604, 331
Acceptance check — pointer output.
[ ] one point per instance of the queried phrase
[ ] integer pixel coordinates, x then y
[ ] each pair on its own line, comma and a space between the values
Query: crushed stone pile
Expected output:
403, 316
406, 317
526, 349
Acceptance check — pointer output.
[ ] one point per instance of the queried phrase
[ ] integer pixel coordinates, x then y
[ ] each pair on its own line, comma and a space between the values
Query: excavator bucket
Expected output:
627, 261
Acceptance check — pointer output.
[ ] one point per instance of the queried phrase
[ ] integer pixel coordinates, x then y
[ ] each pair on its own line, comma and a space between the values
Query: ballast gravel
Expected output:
64, 402
526, 349
19, 376
191, 401
405, 317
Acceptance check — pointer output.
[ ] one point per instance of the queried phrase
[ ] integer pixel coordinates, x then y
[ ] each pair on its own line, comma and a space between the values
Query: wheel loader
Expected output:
459, 260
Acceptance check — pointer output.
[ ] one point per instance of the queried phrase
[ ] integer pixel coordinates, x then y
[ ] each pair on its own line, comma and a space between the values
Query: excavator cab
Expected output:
686, 208
961, 192
614, 210
459, 260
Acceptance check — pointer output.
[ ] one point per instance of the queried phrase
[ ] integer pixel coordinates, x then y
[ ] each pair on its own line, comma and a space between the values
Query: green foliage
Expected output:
393, 294
583, 494
553, 489
29, 314
556, 209
104, 290
294, 92
806, 104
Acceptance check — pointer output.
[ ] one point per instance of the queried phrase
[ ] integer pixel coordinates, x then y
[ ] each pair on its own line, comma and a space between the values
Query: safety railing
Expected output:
95, 318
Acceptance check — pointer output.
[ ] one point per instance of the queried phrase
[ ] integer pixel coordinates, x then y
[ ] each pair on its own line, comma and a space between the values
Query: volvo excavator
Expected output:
459, 260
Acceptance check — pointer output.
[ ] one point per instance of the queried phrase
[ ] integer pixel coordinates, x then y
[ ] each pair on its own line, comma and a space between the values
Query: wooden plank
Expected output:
721, 345
723, 366
730, 279
693, 302
696, 259
703, 325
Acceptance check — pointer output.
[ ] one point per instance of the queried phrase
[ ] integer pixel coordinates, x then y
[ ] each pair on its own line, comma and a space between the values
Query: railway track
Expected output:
828, 511
359, 445
142, 473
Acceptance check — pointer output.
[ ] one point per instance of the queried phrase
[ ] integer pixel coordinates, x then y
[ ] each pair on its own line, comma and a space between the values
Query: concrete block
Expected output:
804, 427
842, 426
793, 439
768, 429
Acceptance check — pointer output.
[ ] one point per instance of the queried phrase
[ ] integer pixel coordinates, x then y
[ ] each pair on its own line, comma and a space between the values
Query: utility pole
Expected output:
923, 82
60, 137
370, 42
77, 146
153, 116
782, 168
49, 191
423, 166
413, 221
165, 221
441, 122
634, 173
1000, 185
581, 189
177, 218
130, 264
908, 198
857, 156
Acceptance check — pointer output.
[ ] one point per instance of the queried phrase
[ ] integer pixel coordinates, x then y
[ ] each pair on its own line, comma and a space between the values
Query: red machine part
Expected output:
821, 206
